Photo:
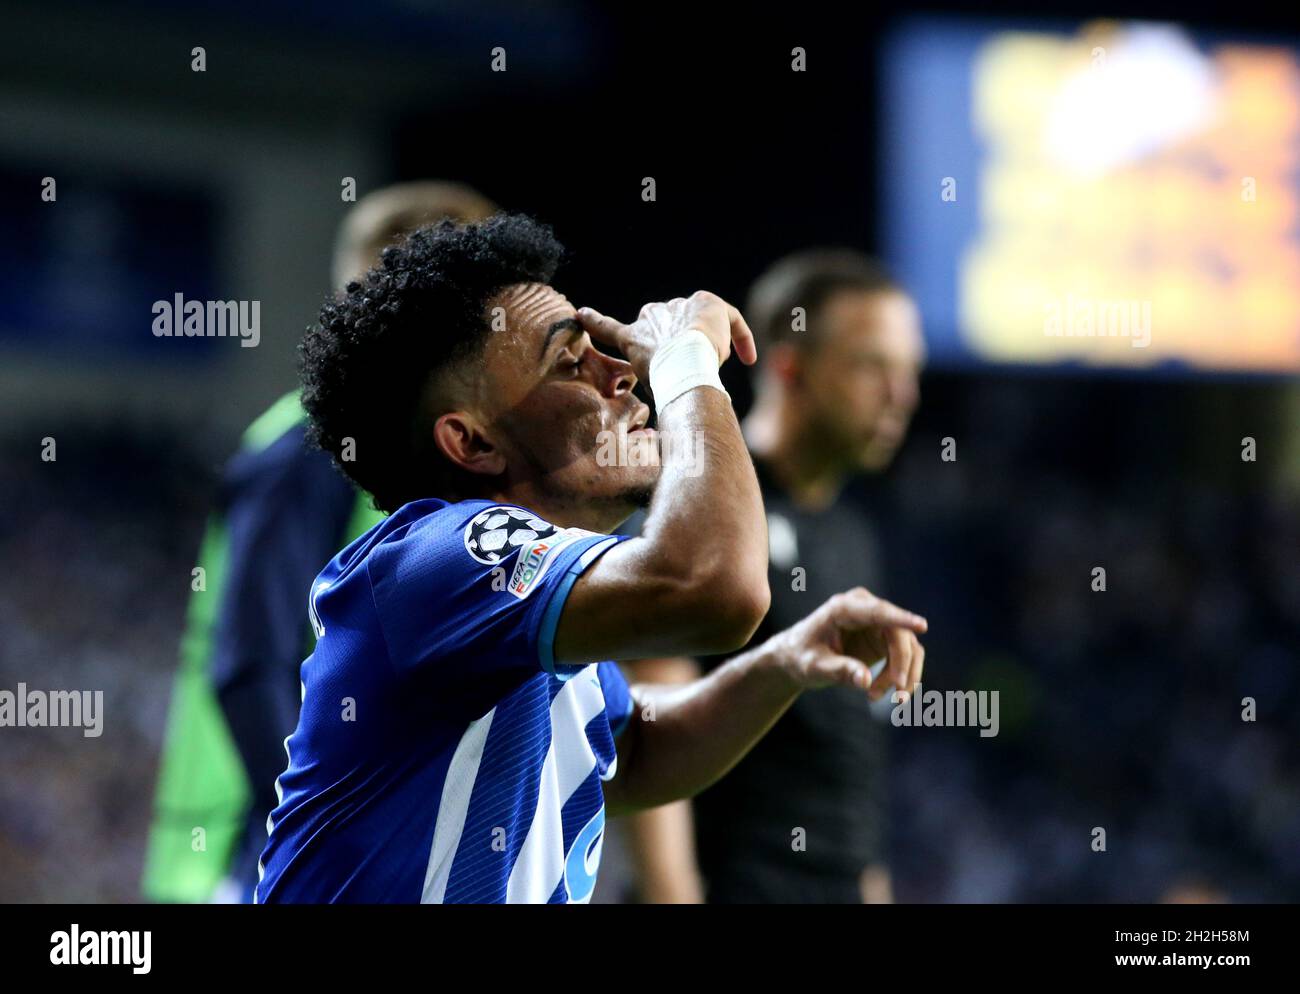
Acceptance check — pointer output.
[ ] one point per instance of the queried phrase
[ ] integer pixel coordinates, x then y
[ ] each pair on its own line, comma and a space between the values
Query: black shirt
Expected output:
821, 768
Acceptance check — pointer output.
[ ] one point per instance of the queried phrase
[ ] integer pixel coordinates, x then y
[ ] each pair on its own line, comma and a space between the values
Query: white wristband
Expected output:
686, 362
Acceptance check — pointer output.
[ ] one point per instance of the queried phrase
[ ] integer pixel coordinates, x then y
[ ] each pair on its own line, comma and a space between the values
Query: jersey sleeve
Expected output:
479, 594
618, 696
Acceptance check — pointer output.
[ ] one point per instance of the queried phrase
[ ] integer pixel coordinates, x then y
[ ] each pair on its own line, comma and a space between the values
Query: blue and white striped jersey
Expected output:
440, 754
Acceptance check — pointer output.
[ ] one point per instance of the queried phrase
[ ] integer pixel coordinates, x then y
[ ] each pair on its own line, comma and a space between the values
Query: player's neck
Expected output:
562, 511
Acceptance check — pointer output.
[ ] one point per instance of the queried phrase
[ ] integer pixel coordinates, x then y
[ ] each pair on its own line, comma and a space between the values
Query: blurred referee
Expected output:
283, 511
841, 351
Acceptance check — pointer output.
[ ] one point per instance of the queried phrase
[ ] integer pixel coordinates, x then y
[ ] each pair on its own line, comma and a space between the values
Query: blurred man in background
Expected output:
283, 510
802, 818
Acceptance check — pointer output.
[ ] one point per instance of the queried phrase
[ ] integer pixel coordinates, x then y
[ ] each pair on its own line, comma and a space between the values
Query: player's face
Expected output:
565, 414
863, 378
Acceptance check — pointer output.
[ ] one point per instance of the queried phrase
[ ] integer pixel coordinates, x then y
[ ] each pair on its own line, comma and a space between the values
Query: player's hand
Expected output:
659, 323
838, 643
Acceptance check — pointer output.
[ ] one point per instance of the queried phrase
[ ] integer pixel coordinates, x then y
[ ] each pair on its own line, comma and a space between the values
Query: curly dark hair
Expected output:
366, 365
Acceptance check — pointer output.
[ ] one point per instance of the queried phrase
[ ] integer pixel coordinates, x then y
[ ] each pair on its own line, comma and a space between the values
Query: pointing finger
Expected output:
603, 329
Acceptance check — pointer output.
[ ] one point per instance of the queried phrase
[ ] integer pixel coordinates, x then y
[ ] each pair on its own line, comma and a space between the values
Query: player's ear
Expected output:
784, 361
460, 439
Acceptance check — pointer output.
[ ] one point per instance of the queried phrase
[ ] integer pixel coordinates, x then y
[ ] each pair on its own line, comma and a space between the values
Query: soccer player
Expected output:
463, 733
282, 511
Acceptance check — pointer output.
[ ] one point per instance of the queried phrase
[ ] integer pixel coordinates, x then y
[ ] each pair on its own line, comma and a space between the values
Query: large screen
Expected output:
1108, 194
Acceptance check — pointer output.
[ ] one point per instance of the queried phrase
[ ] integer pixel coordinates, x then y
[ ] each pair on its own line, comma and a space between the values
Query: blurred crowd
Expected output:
1121, 709
97, 547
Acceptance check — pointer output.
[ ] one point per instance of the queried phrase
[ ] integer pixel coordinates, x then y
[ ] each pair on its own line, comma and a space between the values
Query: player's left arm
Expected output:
680, 739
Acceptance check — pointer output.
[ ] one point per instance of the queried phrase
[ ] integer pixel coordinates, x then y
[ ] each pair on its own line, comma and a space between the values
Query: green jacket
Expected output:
202, 799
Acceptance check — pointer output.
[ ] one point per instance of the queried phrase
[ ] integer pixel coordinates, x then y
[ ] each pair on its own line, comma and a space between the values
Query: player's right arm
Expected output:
695, 581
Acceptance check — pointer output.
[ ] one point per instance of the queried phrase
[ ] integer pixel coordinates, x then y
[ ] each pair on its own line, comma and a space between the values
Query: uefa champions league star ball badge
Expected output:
497, 532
